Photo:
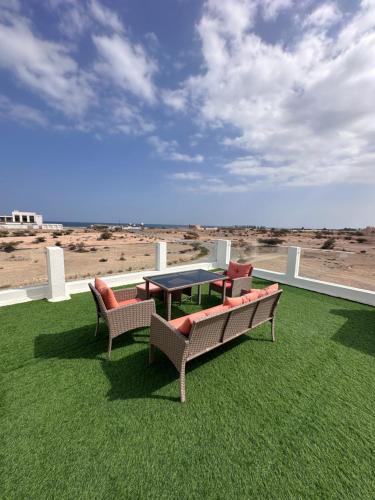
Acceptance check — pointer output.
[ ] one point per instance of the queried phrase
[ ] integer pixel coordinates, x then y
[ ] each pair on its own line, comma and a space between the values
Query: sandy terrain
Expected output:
351, 262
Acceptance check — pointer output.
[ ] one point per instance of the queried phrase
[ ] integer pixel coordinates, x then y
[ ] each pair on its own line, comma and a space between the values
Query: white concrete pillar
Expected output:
223, 253
292, 267
56, 275
161, 256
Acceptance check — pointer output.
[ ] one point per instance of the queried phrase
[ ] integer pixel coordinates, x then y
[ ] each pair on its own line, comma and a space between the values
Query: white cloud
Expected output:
168, 151
186, 176
43, 66
21, 113
176, 99
324, 16
105, 16
271, 8
126, 64
303, 112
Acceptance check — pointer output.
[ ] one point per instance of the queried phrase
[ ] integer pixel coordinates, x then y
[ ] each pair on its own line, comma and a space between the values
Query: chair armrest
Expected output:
125, 294
169, 340
239, 284
128, 317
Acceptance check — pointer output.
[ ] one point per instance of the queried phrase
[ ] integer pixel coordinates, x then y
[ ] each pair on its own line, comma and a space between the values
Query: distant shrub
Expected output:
105, 235
347, 237
72, 247
3, 234
20, 232
68, 231
39, 239
93, 249
361, 240
58, 244
270, 241
191, 235
9, 246
56, 234
103, 260
359, 233
328, 244
81, 247
363, 251
147, 254
129, 269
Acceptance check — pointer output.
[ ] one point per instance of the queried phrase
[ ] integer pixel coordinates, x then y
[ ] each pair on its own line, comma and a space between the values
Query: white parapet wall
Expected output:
291, 277
58, 289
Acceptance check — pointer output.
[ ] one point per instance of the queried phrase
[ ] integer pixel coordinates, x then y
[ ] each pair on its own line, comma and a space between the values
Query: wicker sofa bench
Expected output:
210, 332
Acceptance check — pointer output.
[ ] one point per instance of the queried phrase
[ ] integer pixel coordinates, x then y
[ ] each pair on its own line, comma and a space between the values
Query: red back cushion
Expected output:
233, 301
272, 288
106, 293
109, 299
100, 284
249, 297
236, 270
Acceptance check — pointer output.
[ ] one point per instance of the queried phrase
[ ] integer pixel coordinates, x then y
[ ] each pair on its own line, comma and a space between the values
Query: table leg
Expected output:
169, 306
224, 291
147, 290
199, 294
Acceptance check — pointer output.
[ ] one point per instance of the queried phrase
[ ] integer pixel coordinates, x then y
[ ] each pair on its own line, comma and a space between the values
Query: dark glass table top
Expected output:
184, 279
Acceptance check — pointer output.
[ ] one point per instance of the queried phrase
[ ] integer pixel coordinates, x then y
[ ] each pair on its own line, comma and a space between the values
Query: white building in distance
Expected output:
25, 220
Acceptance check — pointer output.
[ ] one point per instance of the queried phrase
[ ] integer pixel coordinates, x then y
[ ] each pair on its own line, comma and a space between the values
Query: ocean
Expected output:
88, 224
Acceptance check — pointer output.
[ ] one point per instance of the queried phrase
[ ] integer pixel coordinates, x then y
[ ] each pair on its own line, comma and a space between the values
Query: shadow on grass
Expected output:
81, 343
358, 332
132, 377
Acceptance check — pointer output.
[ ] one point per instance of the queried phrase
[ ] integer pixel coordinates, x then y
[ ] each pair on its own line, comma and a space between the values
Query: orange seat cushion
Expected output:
236, 270
152, 287
219, 283
129, 301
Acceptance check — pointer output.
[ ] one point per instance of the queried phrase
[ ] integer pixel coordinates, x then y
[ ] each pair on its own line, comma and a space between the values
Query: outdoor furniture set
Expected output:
185, 338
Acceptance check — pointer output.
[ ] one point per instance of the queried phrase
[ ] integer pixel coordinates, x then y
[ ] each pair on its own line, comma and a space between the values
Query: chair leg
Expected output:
97, 325
109, 347
182, 384
273, 329
151, 354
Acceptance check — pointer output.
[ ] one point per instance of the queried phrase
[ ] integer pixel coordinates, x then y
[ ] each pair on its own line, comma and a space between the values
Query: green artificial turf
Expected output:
291, 419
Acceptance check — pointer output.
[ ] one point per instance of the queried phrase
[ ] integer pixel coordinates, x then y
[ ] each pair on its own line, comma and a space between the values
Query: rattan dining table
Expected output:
173, 282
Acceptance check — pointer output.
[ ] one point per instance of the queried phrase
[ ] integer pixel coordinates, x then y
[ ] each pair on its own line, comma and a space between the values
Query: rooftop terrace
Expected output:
295, 418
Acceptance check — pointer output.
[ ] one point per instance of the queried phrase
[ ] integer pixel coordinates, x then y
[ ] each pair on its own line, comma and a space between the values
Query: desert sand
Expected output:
350, 262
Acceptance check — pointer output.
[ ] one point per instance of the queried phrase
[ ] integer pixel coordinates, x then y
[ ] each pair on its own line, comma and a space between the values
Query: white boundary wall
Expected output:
58, 289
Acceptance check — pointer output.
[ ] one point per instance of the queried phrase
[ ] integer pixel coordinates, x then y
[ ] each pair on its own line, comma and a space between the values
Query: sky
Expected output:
215, 112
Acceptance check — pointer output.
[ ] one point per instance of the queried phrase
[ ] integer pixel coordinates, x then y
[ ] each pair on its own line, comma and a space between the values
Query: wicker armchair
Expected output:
123, 318
233, 285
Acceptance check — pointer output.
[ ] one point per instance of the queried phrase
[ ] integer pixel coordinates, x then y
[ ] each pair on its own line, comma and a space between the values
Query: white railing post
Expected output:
292, 267
56, 275
223, 253
161, 256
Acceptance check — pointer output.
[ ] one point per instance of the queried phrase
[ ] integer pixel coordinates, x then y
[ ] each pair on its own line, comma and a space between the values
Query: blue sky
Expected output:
186, 111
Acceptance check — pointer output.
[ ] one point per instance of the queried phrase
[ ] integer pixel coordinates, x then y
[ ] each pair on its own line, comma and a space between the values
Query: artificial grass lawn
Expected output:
293, 419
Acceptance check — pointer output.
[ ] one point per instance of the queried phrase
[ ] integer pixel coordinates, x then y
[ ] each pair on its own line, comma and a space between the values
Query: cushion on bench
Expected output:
238, 301
184, 324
